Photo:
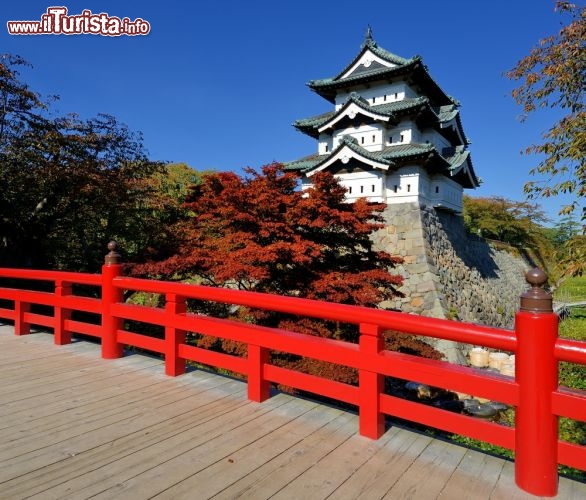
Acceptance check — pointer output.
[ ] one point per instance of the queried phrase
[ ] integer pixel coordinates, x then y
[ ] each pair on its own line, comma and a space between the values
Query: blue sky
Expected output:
217, 85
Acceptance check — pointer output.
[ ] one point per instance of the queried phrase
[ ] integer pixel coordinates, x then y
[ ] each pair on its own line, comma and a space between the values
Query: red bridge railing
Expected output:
534, 390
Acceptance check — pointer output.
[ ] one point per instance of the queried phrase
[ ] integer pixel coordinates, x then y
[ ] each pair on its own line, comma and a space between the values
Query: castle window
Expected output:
437, 189
396, 95
373, 100
373, 188
391, 139
373, 138
349, 189
362, 140
408, 188
395, 188
362, 189
401, 138
327, 148
385, 97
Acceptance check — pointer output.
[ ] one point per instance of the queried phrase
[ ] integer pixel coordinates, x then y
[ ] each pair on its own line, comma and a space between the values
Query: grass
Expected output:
572, 290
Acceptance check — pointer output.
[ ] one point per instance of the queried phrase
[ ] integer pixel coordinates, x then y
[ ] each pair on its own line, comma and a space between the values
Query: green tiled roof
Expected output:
387, 156
305, 164
381, 73
457, 158
441, 114
407, 151
352, 143
313, 122
311, 125
451, 161
446, 113
371, 45
386, 55
413, 67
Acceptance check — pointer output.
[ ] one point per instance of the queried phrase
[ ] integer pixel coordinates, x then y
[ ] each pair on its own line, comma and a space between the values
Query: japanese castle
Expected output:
394, 135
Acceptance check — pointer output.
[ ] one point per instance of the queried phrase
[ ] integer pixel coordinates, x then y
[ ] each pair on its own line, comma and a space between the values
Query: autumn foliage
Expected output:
553, 75
261, 232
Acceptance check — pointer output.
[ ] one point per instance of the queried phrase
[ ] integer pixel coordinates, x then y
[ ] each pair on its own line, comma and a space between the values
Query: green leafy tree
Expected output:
564, 230
69, 185
512, 222
163, 207
553, 75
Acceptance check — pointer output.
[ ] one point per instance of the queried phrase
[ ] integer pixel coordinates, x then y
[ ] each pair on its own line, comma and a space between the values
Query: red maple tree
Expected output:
261, 232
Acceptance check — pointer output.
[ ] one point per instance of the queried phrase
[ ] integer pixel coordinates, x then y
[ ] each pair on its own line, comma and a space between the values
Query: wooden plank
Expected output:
330, 472
28, 410
201, 439
262, 453
506, 489
82, 419
86, 454
272, 476
165, 465
42, 393
26, 455
477, 472
380, 473
86, 427
429, 473
67, 376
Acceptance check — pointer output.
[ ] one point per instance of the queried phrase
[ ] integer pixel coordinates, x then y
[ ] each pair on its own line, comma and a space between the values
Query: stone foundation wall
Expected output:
448, 273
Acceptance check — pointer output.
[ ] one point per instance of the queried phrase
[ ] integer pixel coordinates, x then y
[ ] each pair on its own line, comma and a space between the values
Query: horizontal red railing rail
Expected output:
534, 391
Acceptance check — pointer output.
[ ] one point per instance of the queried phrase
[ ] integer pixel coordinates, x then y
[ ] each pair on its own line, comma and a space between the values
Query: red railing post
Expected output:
21, 327
112, 268
258, 388
174, 305
62, 314
371, 384
536, 427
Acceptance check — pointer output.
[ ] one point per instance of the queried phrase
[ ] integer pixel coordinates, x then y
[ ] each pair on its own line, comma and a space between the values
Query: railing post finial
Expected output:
113, 257
536, 299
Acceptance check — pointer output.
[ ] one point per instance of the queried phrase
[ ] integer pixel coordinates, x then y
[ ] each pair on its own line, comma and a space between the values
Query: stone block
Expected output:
417, 302
410, 259
426, 286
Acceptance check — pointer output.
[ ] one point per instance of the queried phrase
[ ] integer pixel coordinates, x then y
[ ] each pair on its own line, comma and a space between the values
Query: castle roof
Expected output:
374, 64
385, 112
391, 112
455, 162
423, 106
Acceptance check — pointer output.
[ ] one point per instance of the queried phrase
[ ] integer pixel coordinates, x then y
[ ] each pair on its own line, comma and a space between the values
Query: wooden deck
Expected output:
75, 426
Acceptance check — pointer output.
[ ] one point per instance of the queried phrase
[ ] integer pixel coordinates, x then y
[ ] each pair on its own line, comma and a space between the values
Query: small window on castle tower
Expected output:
437, 189
362, 140
362, 189
373, 188
391, 139
349, 189
395, 188
385, 97
373, 138
327, 148
396, 95
373, 100
401, 138
408, 188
